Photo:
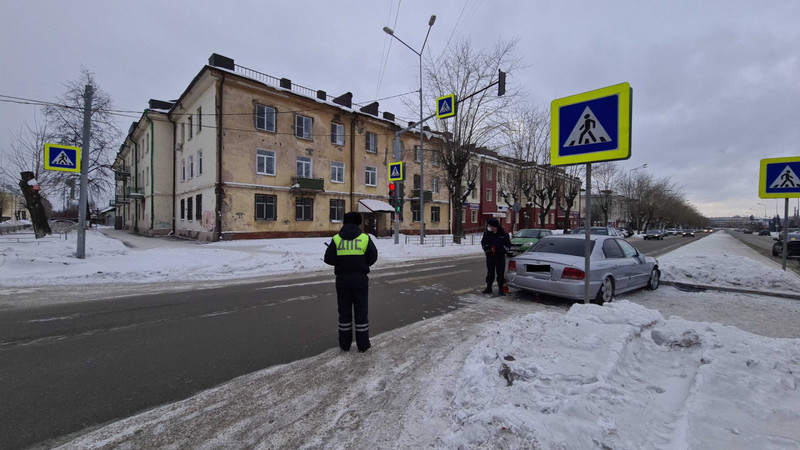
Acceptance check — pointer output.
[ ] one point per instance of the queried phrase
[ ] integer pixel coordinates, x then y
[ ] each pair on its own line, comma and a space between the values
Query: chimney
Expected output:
223, 62
286, 83
322, 95
371, 109
388, 116
345, 100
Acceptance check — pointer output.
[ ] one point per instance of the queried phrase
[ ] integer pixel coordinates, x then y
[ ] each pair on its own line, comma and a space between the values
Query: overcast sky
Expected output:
716, 84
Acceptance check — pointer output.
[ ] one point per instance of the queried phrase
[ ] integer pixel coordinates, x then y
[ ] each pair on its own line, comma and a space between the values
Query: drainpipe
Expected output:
152, 169
174, 165
353, 207
218, 188
135, 185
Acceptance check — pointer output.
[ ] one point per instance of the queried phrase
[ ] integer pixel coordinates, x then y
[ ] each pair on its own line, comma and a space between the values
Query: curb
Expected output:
700, 288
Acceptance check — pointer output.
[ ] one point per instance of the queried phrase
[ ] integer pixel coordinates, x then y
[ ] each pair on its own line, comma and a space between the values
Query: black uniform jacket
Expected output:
495, 244
351, 264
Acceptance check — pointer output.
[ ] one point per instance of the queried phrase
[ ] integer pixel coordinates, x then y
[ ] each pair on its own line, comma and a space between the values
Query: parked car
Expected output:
605, 231
626, 231
555, 266
688, 233
764, 233
792, 250
671, 232
524, 239
748, 231
654, 234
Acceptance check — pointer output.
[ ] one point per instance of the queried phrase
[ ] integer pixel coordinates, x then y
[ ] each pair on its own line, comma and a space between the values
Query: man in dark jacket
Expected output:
352, 252
496, 244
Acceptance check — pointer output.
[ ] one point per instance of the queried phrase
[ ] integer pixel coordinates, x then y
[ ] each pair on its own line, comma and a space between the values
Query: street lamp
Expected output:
390, 32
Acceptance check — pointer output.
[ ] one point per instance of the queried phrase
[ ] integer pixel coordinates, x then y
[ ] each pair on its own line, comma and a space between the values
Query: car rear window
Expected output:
574, 247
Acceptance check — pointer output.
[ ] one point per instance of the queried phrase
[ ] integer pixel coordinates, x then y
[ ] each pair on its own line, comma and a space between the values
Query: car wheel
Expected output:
655, 279
606, 292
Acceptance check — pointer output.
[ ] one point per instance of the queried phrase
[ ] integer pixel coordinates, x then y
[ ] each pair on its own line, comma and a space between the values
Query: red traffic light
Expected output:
391, 186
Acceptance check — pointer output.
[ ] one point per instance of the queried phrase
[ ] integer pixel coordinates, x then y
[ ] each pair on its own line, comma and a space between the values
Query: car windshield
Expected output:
527, 234
574, 247
652, 231
594, 230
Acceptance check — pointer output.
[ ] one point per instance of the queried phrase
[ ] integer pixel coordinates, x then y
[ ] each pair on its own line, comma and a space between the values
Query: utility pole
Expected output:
83, 205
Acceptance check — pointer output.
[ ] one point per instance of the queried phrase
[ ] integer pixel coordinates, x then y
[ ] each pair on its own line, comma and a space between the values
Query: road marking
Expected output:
425, 277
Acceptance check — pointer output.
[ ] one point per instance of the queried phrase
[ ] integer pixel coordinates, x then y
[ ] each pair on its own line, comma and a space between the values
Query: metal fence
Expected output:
443, 240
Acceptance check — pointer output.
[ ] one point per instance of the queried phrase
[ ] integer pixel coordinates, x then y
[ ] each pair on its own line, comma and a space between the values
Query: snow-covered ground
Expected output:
654, 369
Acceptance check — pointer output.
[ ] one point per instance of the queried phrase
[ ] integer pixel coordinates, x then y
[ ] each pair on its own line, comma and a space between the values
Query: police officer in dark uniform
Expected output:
495, 244
352, 252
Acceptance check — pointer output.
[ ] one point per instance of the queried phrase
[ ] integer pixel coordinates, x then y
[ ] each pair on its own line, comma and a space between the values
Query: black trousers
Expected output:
495, 265
352, 292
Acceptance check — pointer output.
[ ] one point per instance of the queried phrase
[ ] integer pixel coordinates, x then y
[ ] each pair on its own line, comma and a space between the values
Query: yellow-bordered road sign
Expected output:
397, 171
779, 178
446, 106
62, 157
592, 126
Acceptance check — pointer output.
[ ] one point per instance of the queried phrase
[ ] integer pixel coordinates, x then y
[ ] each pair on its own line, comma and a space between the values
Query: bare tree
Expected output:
467, 72
572, 189
27, 155
65, 126
605, 176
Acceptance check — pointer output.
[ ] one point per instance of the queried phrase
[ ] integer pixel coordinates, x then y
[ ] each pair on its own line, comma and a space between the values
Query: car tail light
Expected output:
573, 274
512, 266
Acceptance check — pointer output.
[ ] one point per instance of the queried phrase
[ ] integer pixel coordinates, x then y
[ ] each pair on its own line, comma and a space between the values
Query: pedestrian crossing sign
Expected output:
446, 106
396, 172
62, 158
591, 127
779, 178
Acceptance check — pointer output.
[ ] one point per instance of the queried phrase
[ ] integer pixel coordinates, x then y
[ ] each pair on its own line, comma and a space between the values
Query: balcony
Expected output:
308, 184
122, 172
134, 192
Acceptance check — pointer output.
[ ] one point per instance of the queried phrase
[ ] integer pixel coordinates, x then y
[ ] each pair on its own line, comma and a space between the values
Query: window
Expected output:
337, 172
437, 159
183, 170
337, 210
199, 162
198, 206
199, 119
189, 122
265, 162
302, 126
415, 211
147, 143
371, 176
304, 167
417, 153
183, 133
416, 182
435, 183
265, 207
191, 166
474, 194
628, 249
337, 134
474, 216
372, 142
464, 216
183, 209
435, 214
265, 118
304, 209
488, 195
489, 173
146, 178
189, 208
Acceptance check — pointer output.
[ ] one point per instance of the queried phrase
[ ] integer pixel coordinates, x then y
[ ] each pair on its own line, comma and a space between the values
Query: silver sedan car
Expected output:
555, 266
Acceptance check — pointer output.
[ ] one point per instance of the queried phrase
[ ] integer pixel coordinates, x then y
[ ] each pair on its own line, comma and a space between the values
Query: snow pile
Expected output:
703, 263
619, 376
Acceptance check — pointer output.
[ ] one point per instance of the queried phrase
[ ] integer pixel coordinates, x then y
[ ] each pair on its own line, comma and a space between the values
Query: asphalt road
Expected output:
74, 366
763, 245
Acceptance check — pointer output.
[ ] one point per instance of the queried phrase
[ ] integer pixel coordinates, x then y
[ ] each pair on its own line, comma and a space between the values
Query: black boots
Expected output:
345, 339
362, 341
488, 289
500, 286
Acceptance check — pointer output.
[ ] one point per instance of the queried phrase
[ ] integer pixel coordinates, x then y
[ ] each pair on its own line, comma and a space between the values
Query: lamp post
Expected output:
630, 189
765, 208
390, 32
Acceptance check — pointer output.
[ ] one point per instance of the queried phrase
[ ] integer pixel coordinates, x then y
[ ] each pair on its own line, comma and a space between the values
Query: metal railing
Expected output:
443, 240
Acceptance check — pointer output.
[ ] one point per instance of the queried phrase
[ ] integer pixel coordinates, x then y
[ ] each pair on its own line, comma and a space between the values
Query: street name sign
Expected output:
591, 127
62, 158
446, 106
779, 178
396, 171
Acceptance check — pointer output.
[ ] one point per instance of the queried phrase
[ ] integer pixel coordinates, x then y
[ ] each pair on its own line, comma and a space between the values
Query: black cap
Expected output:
353, 217
493, 222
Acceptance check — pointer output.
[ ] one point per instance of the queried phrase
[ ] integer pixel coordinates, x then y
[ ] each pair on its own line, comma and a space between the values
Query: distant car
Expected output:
626, 231
792, 250
708, 230
605, 231
764, 233
688, 233
654, 234
671, 232
524, 239
748, 231
555, 266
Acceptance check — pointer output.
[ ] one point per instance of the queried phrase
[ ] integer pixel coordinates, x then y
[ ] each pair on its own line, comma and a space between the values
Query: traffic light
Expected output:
392, 195
402, 194
501, 83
